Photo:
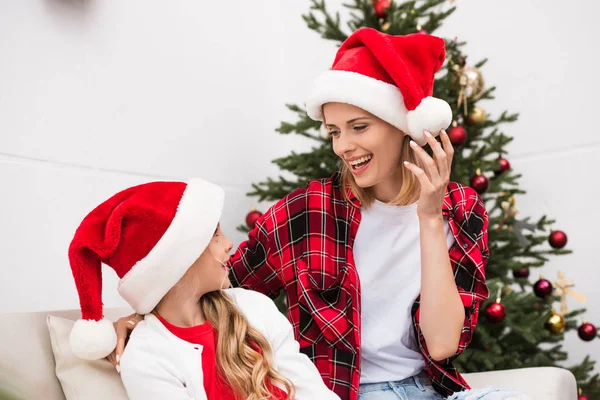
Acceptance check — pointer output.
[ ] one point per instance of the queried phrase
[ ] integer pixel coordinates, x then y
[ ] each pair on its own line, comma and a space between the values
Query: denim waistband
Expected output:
420, 380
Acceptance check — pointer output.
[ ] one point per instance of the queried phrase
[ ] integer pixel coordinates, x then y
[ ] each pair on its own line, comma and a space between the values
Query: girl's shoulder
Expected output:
149, 338
142, 344
259, 309
248, 299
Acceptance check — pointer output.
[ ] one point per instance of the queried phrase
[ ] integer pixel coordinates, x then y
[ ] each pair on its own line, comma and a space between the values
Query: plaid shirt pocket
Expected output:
324, 308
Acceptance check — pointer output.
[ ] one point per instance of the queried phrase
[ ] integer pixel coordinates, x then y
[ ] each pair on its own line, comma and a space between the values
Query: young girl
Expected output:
383, 263
196, 341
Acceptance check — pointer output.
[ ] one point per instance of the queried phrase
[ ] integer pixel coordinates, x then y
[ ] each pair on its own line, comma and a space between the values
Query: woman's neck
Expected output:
387, 190
181, 309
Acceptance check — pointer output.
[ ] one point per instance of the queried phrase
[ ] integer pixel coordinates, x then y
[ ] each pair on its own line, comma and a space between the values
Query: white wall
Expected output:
99, 95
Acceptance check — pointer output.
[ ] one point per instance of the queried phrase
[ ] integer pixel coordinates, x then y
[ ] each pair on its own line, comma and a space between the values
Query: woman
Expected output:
196, 341
417, 242
391, 217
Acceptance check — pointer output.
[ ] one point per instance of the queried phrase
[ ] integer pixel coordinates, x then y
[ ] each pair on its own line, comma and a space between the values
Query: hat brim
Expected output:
379, 98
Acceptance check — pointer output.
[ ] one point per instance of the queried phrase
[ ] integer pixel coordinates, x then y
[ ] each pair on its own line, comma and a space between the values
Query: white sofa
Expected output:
27, 363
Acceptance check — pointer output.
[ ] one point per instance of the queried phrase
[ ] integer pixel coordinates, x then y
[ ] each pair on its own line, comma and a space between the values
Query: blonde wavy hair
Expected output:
410, 184
239, 360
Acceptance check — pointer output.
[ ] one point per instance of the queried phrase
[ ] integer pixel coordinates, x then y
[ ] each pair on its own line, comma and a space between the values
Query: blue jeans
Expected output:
419, 388
489, 394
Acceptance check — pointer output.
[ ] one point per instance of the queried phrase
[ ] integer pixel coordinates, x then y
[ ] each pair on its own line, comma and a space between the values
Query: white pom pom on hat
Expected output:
92, 340
431, 115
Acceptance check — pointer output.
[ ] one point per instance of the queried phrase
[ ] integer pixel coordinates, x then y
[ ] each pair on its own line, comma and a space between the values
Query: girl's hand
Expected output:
435, 176
123, 327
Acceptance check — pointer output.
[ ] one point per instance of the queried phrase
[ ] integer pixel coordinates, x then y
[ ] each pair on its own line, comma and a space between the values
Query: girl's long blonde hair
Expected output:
244, 356
410, 184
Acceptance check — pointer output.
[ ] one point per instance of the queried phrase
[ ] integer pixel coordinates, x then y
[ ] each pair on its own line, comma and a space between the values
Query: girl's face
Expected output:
211, 269
369, 147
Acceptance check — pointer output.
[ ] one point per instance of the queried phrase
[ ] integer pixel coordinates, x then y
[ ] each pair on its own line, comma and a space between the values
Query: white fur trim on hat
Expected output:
92, 340
381, 99
185, 239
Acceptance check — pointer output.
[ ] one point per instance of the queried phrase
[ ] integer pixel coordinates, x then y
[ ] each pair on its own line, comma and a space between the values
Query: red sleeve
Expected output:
254, 265
473, 290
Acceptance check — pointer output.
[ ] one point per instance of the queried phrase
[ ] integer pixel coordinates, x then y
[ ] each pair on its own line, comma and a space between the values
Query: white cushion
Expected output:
82, 379
543, 383
26, 359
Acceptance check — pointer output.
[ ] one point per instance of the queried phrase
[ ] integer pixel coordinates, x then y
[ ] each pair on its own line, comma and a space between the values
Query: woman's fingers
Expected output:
430, 165
448, 149
421, 176
123, 327
440, 157
112, 358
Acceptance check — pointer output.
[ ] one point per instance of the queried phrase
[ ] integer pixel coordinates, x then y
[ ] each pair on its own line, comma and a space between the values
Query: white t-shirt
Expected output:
388, 259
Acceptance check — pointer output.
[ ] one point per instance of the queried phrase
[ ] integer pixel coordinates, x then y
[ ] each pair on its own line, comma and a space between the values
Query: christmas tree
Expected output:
524, 322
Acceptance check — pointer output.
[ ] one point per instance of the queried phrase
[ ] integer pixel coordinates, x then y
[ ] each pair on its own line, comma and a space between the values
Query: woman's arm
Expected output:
448, 313
472, 274
442, 312
254, 265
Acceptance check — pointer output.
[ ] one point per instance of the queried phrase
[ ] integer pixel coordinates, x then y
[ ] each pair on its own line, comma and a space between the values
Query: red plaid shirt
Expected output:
303, 245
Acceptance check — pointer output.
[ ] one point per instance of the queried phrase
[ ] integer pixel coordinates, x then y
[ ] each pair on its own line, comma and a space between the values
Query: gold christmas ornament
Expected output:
509, 208
562, 288
556, 323
477, 115
470, 81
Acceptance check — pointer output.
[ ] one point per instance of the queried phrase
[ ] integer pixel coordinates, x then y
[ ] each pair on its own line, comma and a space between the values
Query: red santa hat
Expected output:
149, 235
389, 76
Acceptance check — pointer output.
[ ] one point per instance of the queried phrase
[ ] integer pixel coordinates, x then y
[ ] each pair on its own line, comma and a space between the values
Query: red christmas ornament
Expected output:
587, 332
557, 239
480, 183
457, 135
504, 165
495, 312
521, 273
583, 397
380, 7
543, 288
252, 217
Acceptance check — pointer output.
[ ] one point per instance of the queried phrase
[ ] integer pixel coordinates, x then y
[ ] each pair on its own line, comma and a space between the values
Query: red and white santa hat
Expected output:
150, 235
389, 76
